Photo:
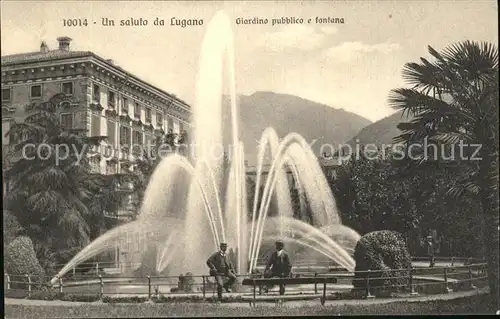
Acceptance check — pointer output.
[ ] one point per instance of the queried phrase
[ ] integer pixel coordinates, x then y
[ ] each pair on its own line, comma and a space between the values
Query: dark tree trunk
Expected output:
489, 202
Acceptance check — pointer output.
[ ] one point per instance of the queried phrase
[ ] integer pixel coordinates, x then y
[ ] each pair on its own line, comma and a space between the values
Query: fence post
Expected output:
471, 285
149, 287
412, 288
446, 287
368, 294
315, 284
29, 284
97, 267
60, 284
101, 291
204, 286
7, 277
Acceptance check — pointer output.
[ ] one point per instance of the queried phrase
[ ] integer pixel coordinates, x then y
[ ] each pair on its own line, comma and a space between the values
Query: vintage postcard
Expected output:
249, 158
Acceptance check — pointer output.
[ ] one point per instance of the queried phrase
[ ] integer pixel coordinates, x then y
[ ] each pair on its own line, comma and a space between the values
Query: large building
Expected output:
102, 98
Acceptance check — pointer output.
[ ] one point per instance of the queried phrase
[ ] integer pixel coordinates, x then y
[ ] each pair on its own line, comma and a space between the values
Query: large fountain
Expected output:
186, 229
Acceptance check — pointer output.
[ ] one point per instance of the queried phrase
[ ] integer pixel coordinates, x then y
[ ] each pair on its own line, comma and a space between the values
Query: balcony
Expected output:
96, 105
111, 113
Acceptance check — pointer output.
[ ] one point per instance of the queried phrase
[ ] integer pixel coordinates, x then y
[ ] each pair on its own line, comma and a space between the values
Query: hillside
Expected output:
380, 132
288, 113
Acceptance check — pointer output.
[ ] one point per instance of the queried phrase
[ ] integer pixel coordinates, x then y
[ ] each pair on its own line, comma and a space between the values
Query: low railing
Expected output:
413, 280
99, 266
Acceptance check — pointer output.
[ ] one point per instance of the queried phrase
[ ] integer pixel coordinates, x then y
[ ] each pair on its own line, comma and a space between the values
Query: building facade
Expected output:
102, 98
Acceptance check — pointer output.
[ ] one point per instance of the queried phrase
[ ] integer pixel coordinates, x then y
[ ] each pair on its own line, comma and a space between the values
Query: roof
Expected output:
38, 56
32, 57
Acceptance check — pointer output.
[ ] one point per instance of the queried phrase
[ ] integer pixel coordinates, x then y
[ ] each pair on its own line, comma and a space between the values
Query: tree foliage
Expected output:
454, 101
54, 194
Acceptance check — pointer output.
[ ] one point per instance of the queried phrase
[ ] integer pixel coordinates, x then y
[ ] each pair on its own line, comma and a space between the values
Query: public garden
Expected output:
365, 228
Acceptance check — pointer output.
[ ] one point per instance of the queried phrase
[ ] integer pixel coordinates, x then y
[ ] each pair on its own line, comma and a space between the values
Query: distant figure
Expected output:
220, 265
278, 265
430, 251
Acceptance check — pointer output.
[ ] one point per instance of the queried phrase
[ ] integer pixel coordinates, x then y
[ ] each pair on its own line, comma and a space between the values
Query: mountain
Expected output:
286, 114
380, 132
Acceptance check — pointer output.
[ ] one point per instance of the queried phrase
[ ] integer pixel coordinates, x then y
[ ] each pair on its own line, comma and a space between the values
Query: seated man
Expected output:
220, 266
278, 265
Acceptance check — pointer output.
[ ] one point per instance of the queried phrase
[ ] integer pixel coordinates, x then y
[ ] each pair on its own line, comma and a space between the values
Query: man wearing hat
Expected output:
220, 265
279, 264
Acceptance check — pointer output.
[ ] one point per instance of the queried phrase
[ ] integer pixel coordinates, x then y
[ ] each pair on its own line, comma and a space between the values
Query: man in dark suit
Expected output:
220, 266
278, 265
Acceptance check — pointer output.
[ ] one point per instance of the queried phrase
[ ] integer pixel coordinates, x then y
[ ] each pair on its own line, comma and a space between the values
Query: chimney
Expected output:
43, 47
110, 61
64, 43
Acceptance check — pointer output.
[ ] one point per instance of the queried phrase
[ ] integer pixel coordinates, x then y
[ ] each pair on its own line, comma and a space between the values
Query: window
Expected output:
124, 135
67, 88
137, 110
5, 128
95, 129
111, 168
170, 124
6, 95
148, 115
111, 132
181, 127
137, 138
96, 93
125, 105
80, 120
67, 121
36, 91
95, 165
159, 119
111, 99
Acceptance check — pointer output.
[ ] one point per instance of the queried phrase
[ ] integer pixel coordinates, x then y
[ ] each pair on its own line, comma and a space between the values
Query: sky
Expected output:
352, 66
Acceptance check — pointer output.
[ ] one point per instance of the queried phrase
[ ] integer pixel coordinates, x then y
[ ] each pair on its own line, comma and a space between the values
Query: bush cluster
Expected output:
11, 228
386, 255
20, 260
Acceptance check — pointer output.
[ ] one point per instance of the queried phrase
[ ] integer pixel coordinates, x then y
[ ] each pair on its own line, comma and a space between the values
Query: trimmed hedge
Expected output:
381, 252
20, 259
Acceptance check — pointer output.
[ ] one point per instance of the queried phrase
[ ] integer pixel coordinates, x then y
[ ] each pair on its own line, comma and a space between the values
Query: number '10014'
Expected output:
75, 22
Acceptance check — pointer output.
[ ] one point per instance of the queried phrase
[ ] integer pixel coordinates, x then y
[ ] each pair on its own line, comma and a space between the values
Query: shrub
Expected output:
148, 263
46, 295
188, 282
20, 259
381, 252
132, 299
80, 297
11, 228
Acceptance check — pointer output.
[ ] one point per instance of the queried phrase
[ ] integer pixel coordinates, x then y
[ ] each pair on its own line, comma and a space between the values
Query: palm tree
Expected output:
455, 100
52, 188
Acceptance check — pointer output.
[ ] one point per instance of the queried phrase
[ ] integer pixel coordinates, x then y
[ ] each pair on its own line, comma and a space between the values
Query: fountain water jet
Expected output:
189, 250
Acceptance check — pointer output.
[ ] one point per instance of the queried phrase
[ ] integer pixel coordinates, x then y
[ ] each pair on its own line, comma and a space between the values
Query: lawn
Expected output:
468, 305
